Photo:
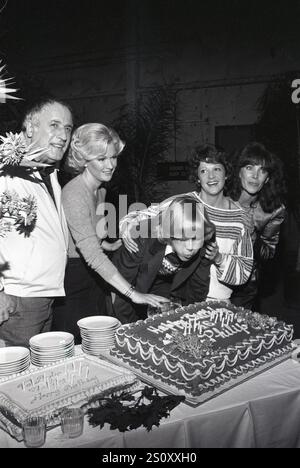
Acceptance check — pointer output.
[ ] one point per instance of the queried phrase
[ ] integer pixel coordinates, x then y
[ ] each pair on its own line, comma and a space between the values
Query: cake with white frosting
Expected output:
204, 347
45, 391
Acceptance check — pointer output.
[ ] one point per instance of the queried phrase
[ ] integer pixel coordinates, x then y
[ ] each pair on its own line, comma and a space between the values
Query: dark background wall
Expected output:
218, 55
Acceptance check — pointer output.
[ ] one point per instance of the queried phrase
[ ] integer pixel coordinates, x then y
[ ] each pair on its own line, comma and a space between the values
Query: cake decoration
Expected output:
202, 349
191, 343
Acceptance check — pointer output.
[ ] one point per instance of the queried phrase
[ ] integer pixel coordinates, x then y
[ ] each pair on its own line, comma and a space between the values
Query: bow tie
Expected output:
45, 176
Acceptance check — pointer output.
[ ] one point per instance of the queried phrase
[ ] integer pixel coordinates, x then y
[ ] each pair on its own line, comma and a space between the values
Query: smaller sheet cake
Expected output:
202, 349
46, 391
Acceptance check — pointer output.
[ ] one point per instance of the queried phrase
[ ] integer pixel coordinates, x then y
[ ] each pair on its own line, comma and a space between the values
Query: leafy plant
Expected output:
32, 89
147, 128
125, 413
5, 86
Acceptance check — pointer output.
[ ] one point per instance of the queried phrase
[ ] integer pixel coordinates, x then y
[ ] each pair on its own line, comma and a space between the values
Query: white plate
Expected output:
98, 322
51, 339
11, 368
97, 340
101, 333
17, 371
52, 348
13, 354
14, 371
54, 356
51, 358
19, 362
49, 351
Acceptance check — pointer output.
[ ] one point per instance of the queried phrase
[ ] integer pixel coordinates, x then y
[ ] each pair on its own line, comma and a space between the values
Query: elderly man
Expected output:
36, 263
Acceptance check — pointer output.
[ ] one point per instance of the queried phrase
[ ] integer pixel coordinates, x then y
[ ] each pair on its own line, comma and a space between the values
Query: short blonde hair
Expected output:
89, 142
185, 217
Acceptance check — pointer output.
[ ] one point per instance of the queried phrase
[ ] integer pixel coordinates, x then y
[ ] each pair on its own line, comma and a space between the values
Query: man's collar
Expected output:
46, 171
169, 249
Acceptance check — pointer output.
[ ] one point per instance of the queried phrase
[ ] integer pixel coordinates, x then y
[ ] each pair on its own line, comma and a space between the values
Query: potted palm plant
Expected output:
147, 127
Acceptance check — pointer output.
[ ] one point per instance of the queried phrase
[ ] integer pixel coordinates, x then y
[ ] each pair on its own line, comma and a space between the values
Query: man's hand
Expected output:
8, 305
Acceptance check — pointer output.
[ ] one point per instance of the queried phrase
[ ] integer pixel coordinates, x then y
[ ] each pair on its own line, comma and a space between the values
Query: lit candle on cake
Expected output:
190, 325
229, 319
195, 323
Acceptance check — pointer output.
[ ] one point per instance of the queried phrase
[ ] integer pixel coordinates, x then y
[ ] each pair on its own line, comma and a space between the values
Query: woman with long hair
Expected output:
92, 158
259, 186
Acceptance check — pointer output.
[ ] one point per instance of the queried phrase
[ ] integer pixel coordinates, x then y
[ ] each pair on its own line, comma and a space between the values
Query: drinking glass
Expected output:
165, 307
34, 431
72, 420
152, 311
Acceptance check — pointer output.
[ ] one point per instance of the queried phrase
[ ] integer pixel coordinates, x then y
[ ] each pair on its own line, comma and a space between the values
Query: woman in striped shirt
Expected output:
232, 251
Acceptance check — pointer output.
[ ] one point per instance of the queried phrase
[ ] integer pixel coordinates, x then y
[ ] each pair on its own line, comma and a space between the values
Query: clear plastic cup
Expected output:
34, 431
165, 307
152, 311
72, 421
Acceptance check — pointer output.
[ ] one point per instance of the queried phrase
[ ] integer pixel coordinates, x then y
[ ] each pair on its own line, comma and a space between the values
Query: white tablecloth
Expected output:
262, 412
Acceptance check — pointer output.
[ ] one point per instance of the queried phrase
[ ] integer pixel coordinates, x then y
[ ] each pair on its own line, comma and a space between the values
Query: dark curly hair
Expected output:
273, 193
209, 154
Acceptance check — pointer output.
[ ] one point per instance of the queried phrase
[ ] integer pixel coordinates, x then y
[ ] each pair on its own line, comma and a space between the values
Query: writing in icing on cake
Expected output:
211, 325
70, 377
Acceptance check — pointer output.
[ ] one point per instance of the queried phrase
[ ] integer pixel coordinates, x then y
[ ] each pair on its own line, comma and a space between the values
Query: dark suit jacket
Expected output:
190, 284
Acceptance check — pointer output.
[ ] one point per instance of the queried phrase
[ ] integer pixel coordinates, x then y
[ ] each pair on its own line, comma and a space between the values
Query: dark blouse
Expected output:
265, 230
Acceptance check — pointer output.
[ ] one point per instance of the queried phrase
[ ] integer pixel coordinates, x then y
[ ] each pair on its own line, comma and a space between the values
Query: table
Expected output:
261, 412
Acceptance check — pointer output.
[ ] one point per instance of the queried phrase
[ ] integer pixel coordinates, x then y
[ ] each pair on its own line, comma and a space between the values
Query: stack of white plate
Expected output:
13, 360
98, 333
51, 347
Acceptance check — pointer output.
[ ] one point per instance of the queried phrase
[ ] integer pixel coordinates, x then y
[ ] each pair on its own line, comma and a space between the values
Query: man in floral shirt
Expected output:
7, 306
36, 259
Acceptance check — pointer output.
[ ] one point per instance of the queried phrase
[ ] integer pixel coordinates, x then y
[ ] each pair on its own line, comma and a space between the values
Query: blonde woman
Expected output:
93, 158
